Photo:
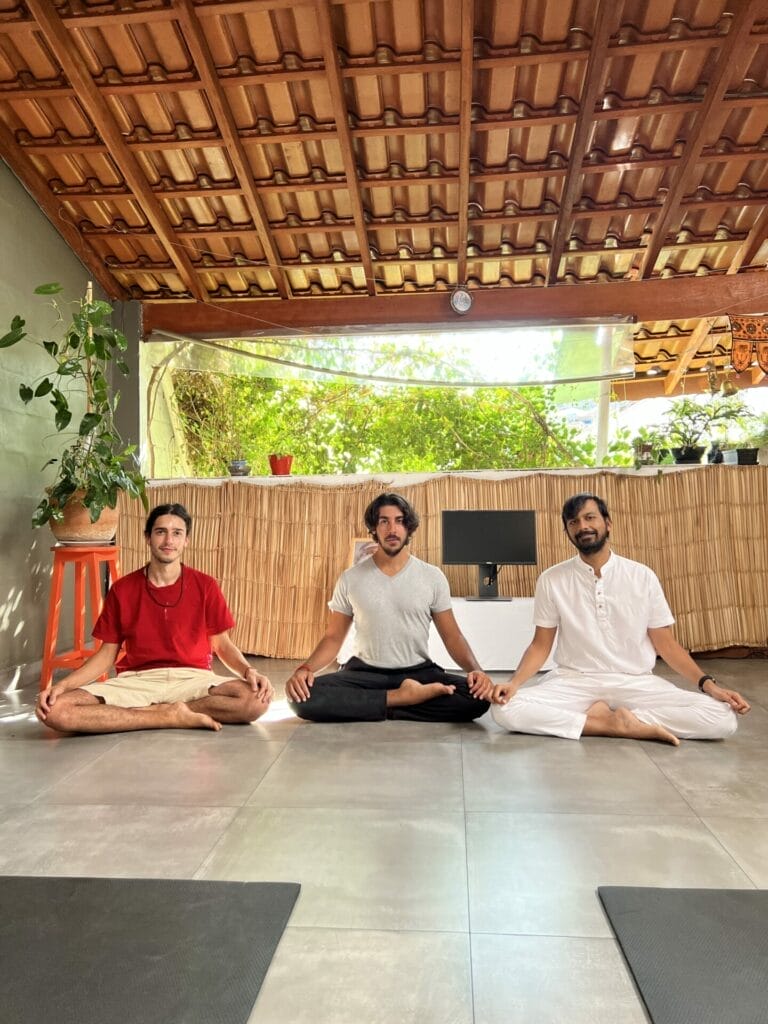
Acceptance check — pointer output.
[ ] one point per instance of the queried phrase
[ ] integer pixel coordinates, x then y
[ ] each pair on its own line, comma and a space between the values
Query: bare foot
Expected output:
183, 717
411, 692
638, 730
602, 721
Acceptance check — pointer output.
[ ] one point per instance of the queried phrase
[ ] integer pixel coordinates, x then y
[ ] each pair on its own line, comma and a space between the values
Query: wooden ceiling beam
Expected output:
727, 59
242, 264
288, 134
341, 114
96, 108
684, 298
640, 387
465, 135
421, 180
694, 343
748, 250
201, 56
54, 209
593, 77
283, 135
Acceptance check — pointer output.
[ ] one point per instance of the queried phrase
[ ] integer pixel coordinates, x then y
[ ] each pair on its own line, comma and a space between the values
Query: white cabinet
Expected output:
498, 632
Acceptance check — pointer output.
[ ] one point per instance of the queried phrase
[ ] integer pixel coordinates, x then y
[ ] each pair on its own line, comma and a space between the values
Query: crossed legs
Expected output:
362, 693
229, 702
638, 707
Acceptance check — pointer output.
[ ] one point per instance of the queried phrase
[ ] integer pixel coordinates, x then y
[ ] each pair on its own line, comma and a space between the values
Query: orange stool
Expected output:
86, 559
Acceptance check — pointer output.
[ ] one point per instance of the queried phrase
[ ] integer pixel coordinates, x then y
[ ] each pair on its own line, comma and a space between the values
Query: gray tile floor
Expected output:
448, 872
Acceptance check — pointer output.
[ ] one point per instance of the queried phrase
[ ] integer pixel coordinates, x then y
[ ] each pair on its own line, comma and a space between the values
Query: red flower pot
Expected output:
280, 465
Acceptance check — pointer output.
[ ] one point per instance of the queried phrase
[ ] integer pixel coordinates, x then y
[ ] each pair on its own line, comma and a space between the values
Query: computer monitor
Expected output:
489, 538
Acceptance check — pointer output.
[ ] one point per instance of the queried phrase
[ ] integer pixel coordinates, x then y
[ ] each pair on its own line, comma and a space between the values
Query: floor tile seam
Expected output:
205, 858
208, 858
467, 873
677, 789
730, 855
427, 809
270, 767
578, 937
45, 792
299, 927
587, 814
334, 744
142, 805
416, 815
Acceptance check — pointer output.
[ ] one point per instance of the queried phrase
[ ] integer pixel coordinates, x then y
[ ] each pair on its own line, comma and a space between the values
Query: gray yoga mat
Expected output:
136, 951
698, 956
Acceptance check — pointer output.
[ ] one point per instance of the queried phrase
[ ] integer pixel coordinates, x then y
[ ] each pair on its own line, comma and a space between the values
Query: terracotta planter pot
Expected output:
76, 526
280, 465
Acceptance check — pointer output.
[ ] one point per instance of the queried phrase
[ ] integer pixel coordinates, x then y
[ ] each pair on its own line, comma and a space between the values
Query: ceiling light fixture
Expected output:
461, 300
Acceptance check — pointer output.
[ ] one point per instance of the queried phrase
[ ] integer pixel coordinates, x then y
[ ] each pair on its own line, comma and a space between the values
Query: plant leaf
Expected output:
15, 334
88, 422
26, 394
49, 289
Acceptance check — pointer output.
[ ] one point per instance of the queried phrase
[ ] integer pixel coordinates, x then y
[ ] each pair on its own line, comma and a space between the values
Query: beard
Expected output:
589, 543
393, 551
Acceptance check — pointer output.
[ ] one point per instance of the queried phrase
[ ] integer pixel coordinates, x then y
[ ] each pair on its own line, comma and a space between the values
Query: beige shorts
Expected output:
155, 686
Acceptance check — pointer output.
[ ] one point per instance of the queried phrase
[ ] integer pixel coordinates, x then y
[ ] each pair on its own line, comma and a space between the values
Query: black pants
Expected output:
358, 693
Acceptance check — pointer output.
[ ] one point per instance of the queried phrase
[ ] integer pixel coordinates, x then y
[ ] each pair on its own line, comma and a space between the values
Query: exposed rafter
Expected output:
692, 347
749, 248
201, 55
581, 133
75, 68
336, 87
465, 130
304, 161
730, 56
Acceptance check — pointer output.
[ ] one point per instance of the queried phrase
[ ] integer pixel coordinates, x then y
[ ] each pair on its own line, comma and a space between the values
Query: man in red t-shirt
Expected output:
170, 620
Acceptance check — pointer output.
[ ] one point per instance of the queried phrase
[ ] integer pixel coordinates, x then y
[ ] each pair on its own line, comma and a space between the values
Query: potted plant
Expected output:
689, 424
745, 449
280, 463
96, 465
650, 447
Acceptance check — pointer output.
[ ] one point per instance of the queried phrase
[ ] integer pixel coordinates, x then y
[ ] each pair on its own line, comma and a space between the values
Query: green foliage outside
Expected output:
335, 428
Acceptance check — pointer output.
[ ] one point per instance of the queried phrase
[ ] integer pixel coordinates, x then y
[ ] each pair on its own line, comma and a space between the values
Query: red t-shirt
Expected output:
163, 627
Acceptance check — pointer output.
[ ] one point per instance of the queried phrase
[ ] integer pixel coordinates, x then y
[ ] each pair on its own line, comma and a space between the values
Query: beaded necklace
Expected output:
162, 604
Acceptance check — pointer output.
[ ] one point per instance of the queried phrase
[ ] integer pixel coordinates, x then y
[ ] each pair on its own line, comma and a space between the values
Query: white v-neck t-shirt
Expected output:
602, 621
392, 613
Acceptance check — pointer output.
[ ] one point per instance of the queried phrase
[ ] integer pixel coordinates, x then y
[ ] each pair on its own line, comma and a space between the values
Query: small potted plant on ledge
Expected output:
650, 447
96, 465
745, 449
689, 424
280, 464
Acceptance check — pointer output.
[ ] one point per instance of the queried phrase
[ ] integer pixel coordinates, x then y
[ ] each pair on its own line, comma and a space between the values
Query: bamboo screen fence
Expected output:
277, 547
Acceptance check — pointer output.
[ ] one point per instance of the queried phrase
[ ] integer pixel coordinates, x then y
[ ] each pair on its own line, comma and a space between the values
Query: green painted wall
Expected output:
31, 253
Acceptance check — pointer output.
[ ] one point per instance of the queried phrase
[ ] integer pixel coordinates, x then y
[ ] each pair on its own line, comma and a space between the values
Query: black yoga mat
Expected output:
136, 951
698, 956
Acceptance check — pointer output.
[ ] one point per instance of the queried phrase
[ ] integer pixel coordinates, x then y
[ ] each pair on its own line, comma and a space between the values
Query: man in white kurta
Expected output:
611, 620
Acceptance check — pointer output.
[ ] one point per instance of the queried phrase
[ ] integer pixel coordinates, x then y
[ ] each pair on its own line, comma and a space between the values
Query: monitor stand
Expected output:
488, 583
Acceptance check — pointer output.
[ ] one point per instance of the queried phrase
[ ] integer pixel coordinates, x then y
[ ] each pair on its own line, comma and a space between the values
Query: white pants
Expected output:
557, 706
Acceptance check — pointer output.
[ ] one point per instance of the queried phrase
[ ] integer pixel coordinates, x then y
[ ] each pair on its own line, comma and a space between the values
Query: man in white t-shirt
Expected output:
392, 597
611, 620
